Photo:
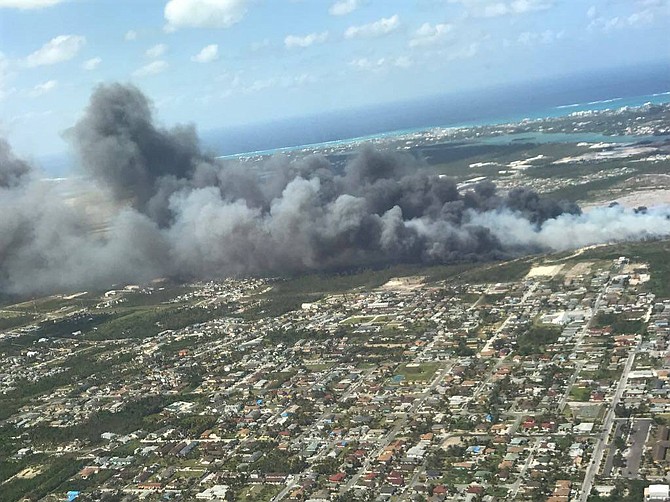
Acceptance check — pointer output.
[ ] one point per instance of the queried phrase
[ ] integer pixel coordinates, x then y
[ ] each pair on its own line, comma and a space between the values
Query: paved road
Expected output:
599, 448
352, 388
638, 437
578, 343
392, 434
511, 495
611, 449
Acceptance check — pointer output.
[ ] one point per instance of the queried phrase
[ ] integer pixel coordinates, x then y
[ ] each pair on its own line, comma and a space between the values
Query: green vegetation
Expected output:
631, 490
655, 253
534, 340
497, 272
78, 367
591, 189
580, 394
155, 297
51, 478
257, 493
132, 417
149, 322
619, 323
422, 372
11, 320
275, 461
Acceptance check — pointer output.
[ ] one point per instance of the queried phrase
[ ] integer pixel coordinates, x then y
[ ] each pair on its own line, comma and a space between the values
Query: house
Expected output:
216, 492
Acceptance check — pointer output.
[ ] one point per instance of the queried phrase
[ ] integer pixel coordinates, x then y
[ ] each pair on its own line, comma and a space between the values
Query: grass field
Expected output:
422, 373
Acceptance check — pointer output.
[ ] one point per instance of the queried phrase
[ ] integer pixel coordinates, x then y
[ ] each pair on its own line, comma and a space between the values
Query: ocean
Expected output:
534, 100
495, 105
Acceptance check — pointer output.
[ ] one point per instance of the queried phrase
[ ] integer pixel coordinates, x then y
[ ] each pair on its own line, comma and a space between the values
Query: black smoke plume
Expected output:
176, 211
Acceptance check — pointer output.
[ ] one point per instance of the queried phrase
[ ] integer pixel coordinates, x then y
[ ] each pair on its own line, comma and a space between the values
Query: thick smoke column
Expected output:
181, 213
12, 170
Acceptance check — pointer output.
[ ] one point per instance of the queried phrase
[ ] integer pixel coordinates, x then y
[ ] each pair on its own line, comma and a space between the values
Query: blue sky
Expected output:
221, 63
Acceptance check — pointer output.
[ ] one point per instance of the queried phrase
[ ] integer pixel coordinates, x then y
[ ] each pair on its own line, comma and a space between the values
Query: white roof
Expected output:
659, 491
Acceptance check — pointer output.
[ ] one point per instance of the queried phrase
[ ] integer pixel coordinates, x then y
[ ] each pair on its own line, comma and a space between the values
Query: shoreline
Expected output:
561, 111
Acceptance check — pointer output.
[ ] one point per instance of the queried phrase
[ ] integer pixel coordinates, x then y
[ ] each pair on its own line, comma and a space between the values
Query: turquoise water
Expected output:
553, 112
577, 137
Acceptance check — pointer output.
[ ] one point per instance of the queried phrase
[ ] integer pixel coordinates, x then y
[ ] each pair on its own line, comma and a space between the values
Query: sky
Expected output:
223, 63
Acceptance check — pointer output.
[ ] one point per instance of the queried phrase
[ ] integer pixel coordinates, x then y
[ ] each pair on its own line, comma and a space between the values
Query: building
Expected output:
216, 492
657, 493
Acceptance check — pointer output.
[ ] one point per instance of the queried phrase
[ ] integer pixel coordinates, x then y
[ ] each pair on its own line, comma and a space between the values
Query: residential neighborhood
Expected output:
551, 386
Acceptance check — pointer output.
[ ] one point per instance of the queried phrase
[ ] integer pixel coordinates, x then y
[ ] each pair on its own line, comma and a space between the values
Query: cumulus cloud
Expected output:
465, 52
292, 41
156, 51
130, 36
495, 8
208, 54
383, 26
260, 45
381, 63
283, 81
153, 68
4, 76
634, 20
42, 89
58, 49
28, 4
429, 34
204, 13
545, 37
343, 7
91, 64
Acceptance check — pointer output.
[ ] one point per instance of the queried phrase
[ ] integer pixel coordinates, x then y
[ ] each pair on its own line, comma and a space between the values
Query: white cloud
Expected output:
153, 68
156, 51
204, 13
42, 89
635, 20
5, 76
28, 4
402, 62
343, 7
208, 54
429, 34
545, 37
262, 84
130, 36
640, 18
262, 44
292, 41
284, 81
592, 12
381, 63
91, 64
523, 6
61, 48
495, 8
381, 27
466, 52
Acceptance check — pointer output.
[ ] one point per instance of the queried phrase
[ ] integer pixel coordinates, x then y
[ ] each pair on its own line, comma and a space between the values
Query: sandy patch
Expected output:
29, 473
580, 269
404, 283
545, 271
648, 198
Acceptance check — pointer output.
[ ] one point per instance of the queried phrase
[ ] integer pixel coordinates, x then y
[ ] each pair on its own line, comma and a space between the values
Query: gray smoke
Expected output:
12, 170
179, 212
